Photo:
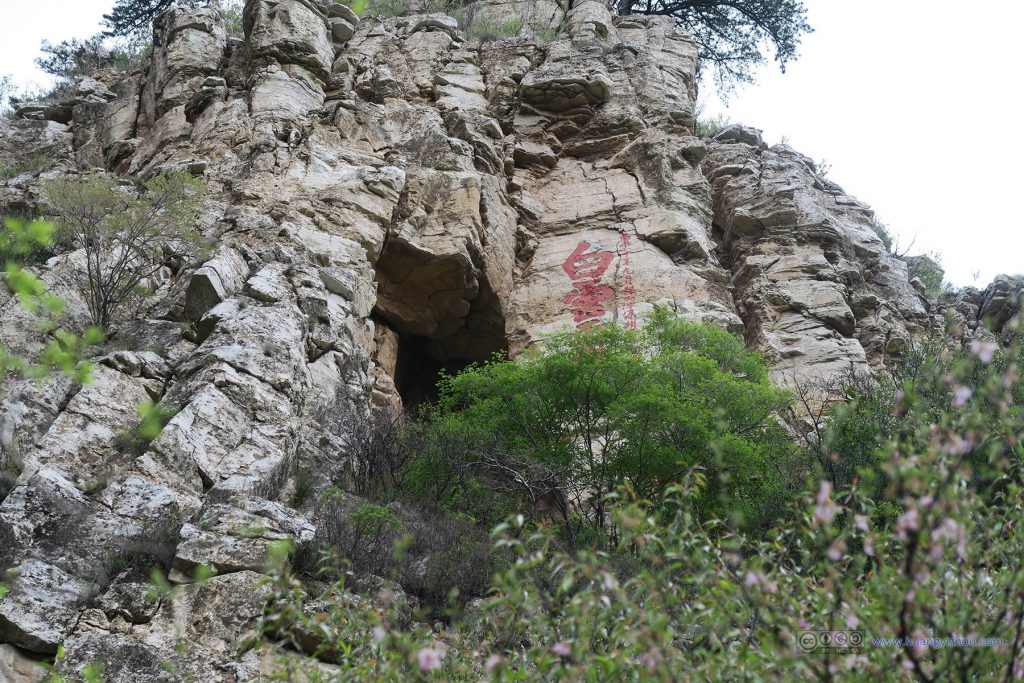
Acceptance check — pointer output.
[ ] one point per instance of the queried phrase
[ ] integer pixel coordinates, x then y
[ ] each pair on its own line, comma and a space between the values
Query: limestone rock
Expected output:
387, 198
15, 667
39, 610
215, 281
800, 258
291, 32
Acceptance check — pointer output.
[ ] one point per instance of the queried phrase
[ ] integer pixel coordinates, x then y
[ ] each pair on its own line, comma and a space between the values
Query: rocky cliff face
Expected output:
388, 198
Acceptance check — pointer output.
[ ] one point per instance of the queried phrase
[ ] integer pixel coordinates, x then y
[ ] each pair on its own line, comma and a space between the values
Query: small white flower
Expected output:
379, 634
861, 522
852, 622
562, 649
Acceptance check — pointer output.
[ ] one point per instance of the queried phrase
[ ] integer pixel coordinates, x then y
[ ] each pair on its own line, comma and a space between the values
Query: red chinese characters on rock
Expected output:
628, 290
585, 269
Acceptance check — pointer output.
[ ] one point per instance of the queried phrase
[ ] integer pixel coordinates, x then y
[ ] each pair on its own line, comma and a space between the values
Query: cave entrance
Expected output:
427, 329
417, 370
420, 361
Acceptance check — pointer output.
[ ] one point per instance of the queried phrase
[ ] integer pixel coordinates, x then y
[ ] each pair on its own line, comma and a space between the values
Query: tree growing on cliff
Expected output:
123, 232
131, 17
733, 35
608, 406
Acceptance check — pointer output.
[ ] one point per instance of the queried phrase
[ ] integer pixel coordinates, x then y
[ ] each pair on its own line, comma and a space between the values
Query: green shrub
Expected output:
71, 60
65, 354
34, 165
373, 519
153, 418
604, 407
485, 29
231, 13
681, 596
382, 8
19, 246
709, 126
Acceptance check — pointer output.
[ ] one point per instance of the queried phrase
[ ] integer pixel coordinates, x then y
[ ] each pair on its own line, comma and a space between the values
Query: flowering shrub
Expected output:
928, 586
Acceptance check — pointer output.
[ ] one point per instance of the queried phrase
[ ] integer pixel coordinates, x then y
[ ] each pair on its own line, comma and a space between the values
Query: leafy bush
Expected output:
138, 555
367, 452
72, 59
153, 417
381, 8
607, 406
484, 29
231, 13
709, 126
65, 354
26, 243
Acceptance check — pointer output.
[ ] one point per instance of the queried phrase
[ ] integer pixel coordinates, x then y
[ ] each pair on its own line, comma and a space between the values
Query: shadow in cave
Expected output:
418, 368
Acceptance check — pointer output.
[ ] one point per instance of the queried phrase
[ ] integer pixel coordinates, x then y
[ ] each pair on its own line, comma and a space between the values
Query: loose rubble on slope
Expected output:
387, 198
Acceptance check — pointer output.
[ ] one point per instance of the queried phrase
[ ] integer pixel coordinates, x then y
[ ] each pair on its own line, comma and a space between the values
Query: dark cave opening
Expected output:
418, 368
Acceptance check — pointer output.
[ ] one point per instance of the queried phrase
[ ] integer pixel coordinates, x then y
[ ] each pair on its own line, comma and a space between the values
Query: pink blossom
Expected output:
951, 530
961, 394
825, 509
562, 649
861, 522
493, 662
958, 446
429, 658
852, 622
834, 554
906, 522
379, 634
984, 350
754, 578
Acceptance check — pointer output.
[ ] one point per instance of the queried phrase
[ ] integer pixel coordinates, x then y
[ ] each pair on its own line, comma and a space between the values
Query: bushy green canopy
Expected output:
610, 406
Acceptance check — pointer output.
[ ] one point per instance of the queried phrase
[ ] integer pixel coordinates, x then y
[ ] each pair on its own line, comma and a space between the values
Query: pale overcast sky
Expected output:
913, 102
